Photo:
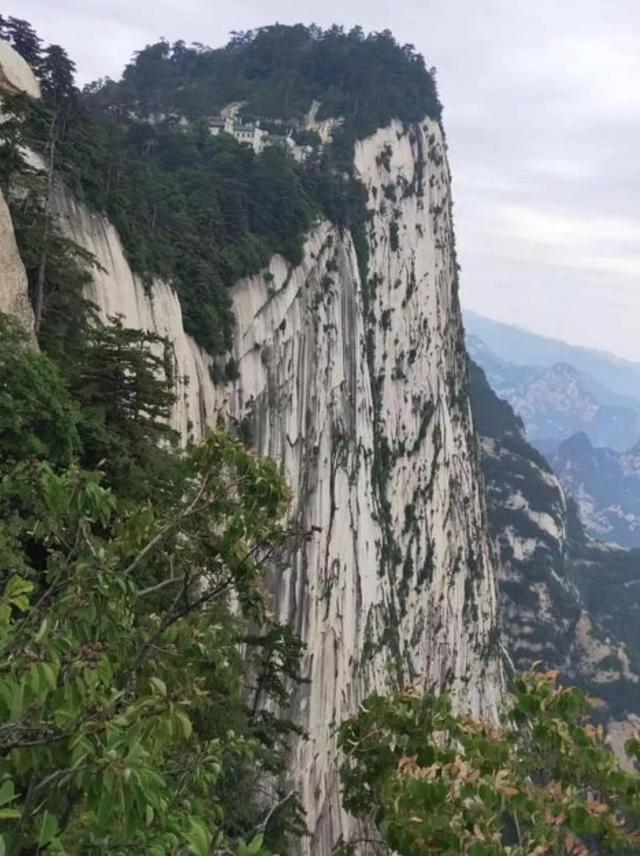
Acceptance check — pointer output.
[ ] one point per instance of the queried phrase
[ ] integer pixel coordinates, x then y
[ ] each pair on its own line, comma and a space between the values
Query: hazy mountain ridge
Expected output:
557, 400
602, 370
588, 432
565, 600
606, 486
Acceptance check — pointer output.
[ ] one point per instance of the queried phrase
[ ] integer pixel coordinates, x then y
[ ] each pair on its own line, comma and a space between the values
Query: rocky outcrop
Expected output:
14, 291
15, 74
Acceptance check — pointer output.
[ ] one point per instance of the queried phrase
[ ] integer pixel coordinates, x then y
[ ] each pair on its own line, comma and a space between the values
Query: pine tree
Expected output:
123, 381
57, 75
24, 40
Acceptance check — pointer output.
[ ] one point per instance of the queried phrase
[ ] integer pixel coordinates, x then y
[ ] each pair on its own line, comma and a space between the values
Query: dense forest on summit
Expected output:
278, 71
200, 211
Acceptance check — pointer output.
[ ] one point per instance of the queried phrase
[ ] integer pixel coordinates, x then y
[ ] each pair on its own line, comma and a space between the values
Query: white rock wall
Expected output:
115, 290
15, 74
363, 401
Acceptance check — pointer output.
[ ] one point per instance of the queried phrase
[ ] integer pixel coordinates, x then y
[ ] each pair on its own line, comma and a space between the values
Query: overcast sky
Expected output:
542, 113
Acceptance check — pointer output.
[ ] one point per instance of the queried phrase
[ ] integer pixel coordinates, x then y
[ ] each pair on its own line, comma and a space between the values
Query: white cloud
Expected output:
561, 168
539, 226
618, 266
604, 69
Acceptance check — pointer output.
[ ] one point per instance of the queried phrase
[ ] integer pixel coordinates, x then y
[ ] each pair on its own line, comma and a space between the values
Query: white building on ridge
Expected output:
251, 134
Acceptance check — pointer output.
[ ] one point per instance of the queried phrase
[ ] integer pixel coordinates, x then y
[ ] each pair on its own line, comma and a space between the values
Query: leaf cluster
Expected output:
544, 782
123, 686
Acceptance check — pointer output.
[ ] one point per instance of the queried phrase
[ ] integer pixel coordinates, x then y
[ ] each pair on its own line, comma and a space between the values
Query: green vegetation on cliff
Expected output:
277, 72
201, 211
138, 660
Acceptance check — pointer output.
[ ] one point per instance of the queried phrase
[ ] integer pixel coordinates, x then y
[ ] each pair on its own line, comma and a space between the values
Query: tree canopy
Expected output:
542, 783
139, 665
194, 210
278, 71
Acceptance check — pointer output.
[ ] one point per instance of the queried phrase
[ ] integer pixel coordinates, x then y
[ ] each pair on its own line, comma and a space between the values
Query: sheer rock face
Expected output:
359, 390
14, 292
352, 374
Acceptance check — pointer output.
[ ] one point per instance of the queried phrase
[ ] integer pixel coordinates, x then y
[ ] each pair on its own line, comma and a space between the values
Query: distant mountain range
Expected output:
557, 401
610, 379
581, 409
566, 601
606, 486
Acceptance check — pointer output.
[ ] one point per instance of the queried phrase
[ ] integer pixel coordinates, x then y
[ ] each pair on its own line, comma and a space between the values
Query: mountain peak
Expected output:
577, 444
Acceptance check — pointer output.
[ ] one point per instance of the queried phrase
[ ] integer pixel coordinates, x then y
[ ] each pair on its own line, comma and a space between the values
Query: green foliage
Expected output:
57, 73
107, 404
542, 783
122, 379
305, 137
195, 210
38, 418
122, 702
200, 211
21, 35
139, 669
278, 71
44, 248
